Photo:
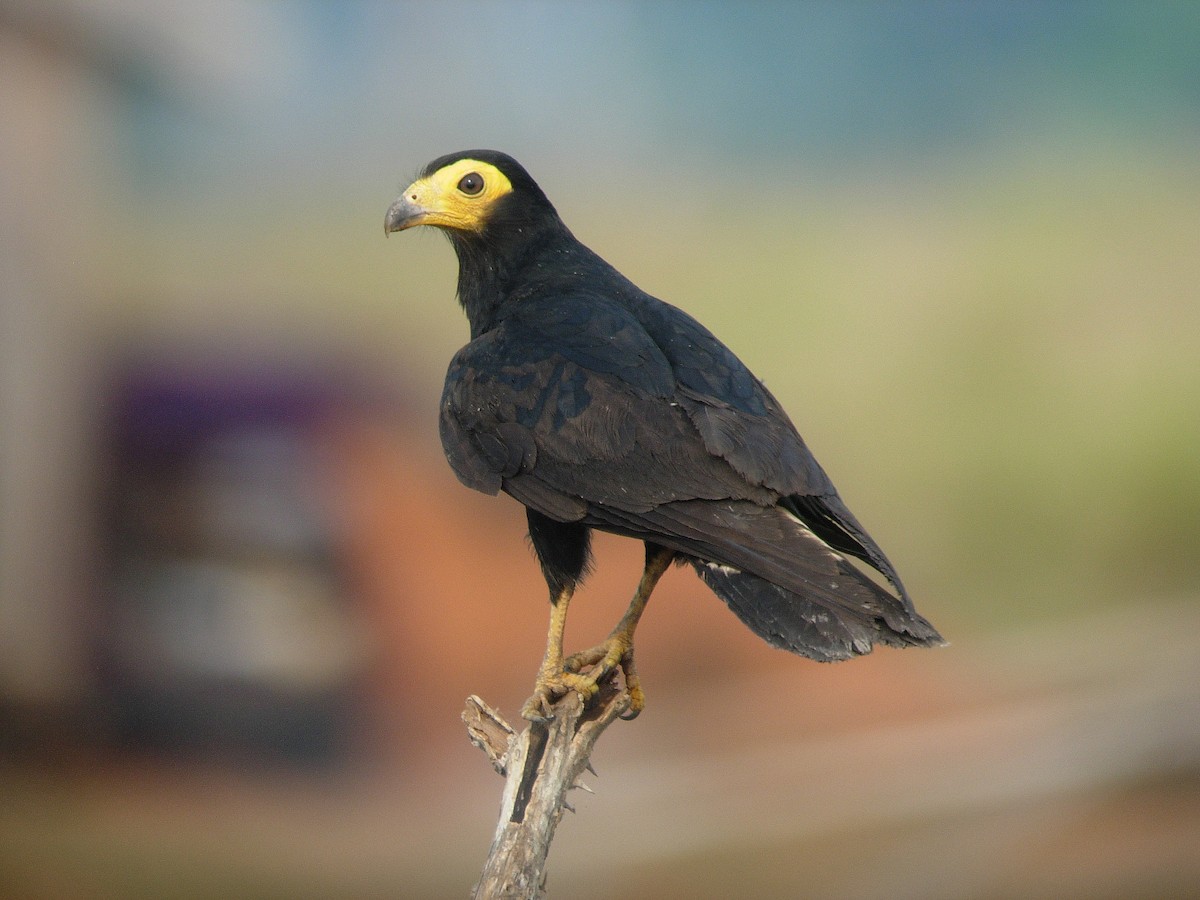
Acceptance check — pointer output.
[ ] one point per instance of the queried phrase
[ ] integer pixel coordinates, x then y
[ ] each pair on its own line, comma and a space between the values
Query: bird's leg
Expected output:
617, 649
553, 679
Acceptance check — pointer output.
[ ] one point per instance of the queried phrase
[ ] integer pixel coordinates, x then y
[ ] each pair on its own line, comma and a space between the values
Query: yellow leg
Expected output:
557, 676
617, 650
552, 663
553, 680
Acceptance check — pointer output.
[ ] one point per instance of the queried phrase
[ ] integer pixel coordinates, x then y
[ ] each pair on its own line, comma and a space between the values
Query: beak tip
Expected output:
401, 214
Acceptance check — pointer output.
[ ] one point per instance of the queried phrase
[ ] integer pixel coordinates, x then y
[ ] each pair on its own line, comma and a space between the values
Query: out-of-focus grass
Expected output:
995, 361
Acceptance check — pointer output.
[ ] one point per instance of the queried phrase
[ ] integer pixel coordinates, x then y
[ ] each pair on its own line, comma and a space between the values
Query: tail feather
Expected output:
791, 585
794, 622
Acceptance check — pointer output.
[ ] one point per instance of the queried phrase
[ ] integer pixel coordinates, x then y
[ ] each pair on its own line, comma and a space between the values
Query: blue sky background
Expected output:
275, 89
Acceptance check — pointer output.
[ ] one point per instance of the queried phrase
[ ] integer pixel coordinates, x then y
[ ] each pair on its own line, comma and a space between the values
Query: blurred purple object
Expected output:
226, 624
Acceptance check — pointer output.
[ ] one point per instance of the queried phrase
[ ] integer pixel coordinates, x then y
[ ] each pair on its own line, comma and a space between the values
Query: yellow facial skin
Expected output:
458, 196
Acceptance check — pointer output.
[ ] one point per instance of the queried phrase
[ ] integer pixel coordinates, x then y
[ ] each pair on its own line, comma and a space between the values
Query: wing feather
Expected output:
683, 447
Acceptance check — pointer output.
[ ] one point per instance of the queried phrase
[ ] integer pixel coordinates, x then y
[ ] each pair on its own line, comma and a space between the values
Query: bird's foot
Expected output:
602, 660
551, 685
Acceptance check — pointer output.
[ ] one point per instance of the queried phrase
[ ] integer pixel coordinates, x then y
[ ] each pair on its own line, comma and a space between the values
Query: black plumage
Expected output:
598, 406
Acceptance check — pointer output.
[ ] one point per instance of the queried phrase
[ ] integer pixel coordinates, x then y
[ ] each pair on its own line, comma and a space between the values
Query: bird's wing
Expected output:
581, 412
575, 404
738, 419
742, 422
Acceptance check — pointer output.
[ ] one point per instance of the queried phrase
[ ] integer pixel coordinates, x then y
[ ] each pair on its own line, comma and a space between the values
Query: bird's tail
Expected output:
798, 623
789, 577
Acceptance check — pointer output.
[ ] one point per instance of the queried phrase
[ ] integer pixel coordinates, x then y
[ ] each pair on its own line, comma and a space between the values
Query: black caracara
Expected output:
598, 406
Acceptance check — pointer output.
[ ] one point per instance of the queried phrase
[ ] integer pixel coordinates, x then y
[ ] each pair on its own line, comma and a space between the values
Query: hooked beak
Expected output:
404, 213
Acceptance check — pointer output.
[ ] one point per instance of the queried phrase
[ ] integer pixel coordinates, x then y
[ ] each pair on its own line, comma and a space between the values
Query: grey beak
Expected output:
404, 213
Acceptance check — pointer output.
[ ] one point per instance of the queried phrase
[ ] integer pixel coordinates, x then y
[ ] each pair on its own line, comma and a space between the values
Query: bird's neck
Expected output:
488, 273
483, 279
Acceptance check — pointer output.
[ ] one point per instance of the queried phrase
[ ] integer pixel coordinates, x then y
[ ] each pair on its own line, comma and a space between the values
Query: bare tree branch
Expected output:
540, 765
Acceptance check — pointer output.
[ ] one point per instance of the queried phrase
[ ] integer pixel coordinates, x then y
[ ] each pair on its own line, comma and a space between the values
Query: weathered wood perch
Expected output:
540, 765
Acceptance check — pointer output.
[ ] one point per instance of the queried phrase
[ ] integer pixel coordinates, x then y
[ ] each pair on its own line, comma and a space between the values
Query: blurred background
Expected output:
242, 597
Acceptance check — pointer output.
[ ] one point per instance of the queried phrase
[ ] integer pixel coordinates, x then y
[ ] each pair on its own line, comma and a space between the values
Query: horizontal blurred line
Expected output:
1116, 713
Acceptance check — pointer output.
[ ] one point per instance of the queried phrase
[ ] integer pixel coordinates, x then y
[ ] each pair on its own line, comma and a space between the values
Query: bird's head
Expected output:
475, 193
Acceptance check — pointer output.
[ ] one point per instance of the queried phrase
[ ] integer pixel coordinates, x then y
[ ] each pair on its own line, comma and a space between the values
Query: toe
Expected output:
537, 708
584, 658
550, 687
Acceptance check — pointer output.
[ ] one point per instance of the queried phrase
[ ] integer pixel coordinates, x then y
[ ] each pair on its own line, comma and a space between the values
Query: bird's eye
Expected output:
471, 183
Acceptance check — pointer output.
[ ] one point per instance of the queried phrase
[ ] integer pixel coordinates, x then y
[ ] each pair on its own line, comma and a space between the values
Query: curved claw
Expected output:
550, 687
602, 660
537, 708
633, 684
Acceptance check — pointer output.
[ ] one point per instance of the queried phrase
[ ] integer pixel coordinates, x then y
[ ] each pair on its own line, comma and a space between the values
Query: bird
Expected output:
600, 407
